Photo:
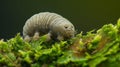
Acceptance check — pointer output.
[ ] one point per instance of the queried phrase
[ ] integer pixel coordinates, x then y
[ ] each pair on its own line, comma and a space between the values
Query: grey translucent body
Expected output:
50, 24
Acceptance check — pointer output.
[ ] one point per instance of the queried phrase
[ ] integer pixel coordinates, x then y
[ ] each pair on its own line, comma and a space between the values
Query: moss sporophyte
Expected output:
99, 48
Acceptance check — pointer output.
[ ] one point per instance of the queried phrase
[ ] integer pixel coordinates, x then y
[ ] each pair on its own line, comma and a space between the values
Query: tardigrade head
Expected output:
65, 28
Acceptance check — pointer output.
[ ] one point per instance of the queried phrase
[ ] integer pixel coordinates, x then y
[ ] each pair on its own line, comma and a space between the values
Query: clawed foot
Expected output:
48, 37
60, 38
36, 36
27, 39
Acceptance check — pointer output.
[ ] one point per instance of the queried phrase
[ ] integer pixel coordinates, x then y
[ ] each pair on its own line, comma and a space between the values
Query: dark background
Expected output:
86, 15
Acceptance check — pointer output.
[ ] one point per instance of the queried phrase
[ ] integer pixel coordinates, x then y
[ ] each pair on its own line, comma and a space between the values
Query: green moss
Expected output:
95, 49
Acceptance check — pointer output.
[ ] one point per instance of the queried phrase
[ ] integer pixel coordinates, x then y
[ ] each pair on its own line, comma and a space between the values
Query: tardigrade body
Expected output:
50, 24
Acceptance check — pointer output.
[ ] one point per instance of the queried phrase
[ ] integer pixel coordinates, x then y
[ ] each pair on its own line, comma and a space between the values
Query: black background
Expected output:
86, 15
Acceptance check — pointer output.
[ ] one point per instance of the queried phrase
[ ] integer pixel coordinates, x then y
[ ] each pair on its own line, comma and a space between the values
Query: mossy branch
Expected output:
92, 50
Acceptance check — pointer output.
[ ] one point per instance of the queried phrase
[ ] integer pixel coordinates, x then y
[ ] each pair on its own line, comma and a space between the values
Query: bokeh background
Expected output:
86, 15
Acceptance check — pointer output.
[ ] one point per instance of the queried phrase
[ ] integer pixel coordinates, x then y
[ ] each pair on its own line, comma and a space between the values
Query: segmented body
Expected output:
48, 23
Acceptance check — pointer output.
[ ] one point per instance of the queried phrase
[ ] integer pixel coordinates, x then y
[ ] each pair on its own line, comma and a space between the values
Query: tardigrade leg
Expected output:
60, 37
27, 38
36, 36
48, 36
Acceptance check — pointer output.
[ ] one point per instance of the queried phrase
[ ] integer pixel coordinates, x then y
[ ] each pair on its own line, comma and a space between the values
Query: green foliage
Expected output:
95, 49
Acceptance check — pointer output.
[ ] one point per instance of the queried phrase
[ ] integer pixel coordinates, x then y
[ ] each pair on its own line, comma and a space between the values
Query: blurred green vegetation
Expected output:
99, 48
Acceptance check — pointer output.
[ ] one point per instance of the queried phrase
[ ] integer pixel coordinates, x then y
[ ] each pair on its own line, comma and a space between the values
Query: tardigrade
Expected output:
52, 25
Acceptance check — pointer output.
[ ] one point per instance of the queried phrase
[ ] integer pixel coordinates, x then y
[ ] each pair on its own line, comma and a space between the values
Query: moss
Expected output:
95, 49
